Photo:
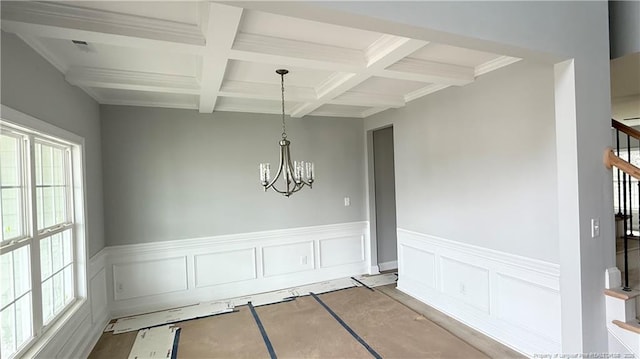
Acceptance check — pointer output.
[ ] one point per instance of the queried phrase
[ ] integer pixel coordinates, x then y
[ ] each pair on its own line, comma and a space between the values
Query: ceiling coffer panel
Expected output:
209, 56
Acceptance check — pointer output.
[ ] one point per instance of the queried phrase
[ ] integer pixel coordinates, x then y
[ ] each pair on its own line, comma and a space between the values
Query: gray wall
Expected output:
536, 29
476, 164
624, 27
385, 194
33, 86
178, 174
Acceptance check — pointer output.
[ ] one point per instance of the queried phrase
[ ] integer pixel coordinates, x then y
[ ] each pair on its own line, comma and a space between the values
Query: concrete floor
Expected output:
476, 339
393, 323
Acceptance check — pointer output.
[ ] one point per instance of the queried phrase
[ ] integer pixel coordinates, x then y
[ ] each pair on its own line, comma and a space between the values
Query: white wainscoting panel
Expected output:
514, 299
339, 251
155, 276
528, 305
465, 282
225, 267
418, 265
141, 279
287, 258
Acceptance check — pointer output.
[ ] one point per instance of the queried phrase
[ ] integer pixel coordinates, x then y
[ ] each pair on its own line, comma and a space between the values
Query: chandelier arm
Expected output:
289, 165
279, 173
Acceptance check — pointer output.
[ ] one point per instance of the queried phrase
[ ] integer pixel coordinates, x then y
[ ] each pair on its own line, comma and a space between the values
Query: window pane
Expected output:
56, 252
60, 210
58, 166
68, 284
48, 206
21, 270
9, 161
6, 274
38, 157
7, 331
47, 165
47, 300
40, 206
45, 257
11, 213
58, 292
23, 320
67, 246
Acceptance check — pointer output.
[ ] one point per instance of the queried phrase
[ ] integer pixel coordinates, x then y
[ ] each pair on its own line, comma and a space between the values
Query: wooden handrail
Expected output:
626, 129
610, 159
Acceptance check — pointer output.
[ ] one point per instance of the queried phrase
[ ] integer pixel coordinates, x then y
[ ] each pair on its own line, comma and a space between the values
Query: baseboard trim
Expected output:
388, 265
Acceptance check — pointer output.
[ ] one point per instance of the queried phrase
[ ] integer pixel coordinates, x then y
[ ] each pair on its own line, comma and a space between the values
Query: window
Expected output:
38, 239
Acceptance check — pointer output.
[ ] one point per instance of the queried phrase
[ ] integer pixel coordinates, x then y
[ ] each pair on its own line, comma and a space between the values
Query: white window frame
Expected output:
24, 123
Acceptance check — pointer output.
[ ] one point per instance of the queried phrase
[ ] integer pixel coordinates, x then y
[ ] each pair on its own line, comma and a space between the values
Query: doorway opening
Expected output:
384, 199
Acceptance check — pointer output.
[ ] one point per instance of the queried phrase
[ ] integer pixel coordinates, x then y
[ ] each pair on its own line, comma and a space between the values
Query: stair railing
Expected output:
626, 173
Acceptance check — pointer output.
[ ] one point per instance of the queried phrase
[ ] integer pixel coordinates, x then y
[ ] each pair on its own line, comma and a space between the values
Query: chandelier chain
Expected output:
284, 132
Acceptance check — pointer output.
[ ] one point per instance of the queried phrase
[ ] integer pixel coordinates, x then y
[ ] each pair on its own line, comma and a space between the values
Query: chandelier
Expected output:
294, 176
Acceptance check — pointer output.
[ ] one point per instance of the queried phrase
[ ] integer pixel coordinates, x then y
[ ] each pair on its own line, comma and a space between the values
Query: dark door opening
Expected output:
385, 198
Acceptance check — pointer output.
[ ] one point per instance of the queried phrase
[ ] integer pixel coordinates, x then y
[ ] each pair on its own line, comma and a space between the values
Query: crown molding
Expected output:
132, 80
495, 64
424, 91
62, 21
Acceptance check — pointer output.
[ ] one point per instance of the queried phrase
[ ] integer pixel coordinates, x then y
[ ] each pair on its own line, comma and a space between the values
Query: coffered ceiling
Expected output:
215, 57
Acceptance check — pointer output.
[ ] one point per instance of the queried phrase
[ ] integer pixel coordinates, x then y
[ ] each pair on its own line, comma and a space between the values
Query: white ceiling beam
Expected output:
221, 28
262, 91
279, 51
132, 80
429, 72
66, 22
163, 104
372, 111
368, 99
386, 51
255, 108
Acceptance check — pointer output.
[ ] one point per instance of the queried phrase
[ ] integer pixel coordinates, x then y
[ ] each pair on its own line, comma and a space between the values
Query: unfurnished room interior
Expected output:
350, 179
